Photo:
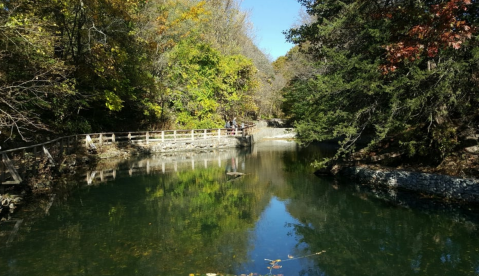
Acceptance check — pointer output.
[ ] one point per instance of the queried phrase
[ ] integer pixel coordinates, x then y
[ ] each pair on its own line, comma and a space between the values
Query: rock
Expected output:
335, 169
17, 199
473, 149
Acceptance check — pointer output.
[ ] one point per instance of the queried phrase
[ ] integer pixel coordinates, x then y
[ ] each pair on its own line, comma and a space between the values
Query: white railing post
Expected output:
205, 133
174, 135
147, 137
162, 136
113, 138
219, 133
192, 134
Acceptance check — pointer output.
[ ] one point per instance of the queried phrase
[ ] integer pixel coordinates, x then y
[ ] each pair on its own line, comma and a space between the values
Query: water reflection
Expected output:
183, 213
165, 163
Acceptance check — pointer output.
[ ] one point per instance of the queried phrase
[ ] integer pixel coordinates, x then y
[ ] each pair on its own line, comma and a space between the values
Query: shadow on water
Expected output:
184, 213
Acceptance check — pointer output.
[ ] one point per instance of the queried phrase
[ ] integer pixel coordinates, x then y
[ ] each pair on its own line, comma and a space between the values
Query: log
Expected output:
235, 173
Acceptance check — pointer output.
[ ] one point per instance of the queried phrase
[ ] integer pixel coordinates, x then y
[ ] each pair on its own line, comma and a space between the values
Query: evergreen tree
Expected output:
385, 70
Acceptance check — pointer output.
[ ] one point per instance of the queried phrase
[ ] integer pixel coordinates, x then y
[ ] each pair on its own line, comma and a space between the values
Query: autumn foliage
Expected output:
69, 66
440, 27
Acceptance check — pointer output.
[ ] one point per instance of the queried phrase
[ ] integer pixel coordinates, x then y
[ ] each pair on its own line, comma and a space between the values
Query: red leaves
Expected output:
440, 29
432, 51
399, 52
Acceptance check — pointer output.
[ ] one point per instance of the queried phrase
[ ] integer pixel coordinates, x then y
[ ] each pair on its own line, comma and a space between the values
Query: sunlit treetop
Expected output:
439, 27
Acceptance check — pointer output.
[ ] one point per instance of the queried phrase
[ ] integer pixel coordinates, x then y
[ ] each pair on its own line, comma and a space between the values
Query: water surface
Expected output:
183, 214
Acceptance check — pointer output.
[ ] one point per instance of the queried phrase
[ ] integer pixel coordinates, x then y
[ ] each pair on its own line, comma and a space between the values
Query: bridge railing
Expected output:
24, 162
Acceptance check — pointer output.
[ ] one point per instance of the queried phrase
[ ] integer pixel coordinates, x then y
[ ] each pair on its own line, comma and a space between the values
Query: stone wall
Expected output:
274, 133
188, 145
440, 185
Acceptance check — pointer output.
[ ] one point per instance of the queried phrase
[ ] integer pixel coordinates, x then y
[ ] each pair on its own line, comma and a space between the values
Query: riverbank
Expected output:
456, 178
31, 171
444, 186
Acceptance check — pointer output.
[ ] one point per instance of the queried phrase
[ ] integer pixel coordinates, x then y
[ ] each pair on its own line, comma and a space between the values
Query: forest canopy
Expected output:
385, 71
79, 66
364, 73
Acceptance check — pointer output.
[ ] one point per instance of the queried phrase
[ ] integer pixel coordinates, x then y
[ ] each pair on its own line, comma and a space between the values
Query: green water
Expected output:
182, 214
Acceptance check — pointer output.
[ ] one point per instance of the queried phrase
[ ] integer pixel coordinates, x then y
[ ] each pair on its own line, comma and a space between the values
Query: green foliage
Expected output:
351, 96
208, 86
75, 66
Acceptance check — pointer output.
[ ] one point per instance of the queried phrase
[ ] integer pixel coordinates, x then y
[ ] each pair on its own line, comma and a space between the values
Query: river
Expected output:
183, 214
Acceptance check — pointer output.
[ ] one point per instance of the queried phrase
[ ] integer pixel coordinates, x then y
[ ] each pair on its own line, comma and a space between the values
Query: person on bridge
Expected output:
233, 128
227, 126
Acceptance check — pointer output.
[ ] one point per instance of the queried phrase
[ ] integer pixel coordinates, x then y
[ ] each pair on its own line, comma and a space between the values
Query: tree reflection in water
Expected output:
185, 216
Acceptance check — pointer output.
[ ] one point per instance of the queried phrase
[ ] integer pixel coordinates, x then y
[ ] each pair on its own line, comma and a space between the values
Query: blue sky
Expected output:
270, 18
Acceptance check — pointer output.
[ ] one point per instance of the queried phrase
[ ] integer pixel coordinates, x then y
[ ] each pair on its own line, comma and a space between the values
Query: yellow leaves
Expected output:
152, 109
163, 18
13, 22
113, 101
195, 12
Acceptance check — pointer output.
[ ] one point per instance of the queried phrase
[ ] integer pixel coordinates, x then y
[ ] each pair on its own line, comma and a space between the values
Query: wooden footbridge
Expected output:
20, 163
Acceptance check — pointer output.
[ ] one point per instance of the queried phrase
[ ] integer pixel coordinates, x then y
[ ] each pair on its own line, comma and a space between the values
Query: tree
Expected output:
202, 75
76, 66
31, 77
356, 45
208, 87
111, 69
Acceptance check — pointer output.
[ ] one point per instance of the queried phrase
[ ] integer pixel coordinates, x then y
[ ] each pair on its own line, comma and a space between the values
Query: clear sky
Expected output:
270, 19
